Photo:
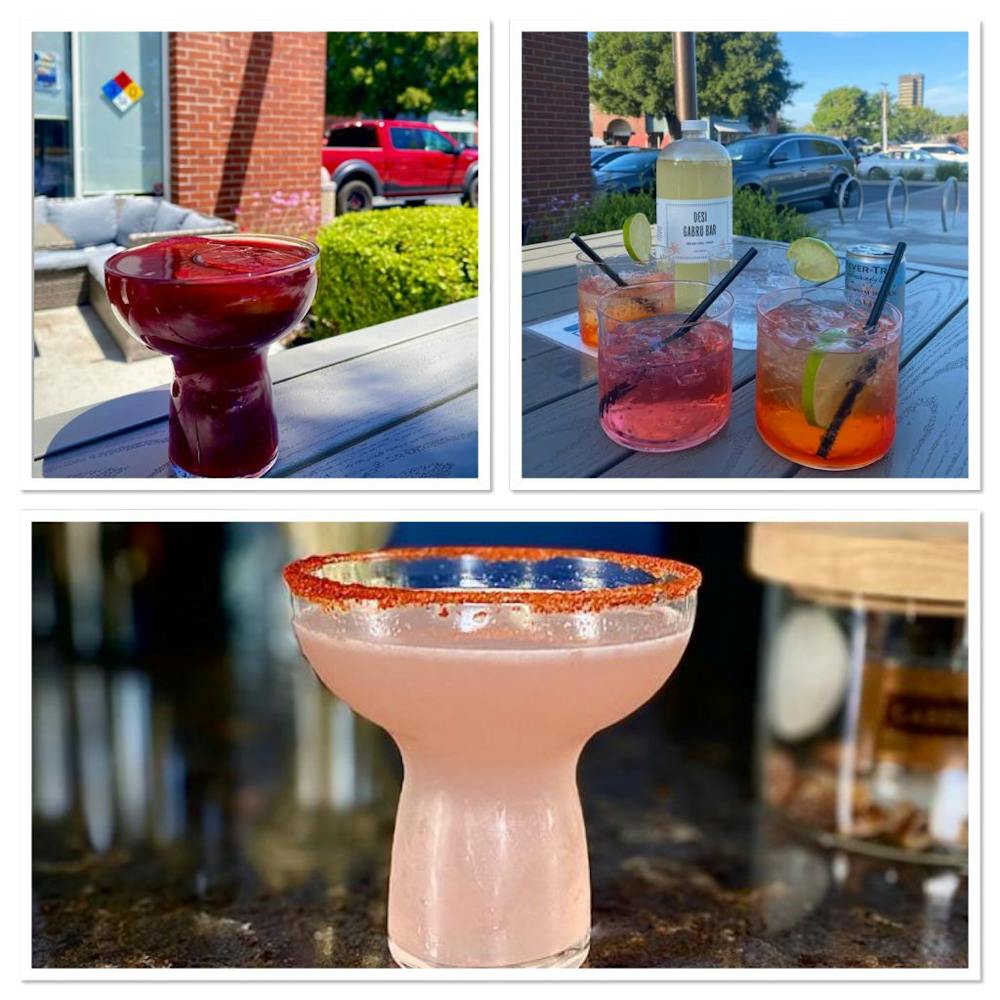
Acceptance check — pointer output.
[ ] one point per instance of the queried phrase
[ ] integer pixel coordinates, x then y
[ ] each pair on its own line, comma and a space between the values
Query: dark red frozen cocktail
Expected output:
215, 305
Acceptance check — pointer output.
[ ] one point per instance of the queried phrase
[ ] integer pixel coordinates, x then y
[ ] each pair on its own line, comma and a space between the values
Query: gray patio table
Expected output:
398, 400
561, 436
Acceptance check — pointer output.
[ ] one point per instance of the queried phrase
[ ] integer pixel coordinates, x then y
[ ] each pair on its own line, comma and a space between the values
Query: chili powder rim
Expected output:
672, 580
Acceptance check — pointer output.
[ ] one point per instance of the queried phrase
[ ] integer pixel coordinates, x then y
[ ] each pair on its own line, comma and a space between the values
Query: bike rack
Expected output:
949, 185
888, 199
844, 188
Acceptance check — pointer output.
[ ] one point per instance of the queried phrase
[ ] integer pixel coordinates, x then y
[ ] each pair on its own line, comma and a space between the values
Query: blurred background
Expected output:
201, 800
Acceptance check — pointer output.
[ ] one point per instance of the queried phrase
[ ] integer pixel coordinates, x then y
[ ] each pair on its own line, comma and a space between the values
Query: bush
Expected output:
381, 265
760, 217
912, 174
960, 171
754, 215
609, 211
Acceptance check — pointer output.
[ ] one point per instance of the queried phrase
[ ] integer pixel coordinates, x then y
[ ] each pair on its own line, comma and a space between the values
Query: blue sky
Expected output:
824, 60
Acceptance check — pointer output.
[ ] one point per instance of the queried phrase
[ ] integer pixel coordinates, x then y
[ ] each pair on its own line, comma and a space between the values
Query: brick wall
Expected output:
555, 128
246, 126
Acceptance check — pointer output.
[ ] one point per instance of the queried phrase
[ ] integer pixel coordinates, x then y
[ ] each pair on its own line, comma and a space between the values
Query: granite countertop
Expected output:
247, 853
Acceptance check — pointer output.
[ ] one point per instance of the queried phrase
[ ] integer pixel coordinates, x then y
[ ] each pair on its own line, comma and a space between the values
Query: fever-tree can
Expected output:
865, 266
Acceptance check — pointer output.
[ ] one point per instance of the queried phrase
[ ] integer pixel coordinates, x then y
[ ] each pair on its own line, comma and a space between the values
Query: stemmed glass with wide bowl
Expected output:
491, 668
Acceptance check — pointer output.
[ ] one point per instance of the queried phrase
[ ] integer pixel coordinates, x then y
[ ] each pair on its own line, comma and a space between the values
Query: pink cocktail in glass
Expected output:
491, 668
662, 389
215, 305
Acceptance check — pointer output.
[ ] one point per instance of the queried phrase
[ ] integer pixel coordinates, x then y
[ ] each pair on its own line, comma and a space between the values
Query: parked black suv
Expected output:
794, 167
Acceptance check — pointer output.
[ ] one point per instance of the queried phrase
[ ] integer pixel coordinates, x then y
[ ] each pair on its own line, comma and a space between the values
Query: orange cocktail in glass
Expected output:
592, 283
826, 387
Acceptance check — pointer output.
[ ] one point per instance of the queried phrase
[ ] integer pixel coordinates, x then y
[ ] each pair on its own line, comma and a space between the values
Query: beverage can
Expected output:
864, 268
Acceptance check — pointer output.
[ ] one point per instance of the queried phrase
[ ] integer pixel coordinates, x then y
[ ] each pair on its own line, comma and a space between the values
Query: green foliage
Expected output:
847, 111
384, 73
378, 266
960, 171
761, 217
851, 111
912, 124
912, 174
608, 211
754, 215
739, 73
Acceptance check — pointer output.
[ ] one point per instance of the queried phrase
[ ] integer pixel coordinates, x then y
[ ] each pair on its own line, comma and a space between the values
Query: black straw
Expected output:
624, 388
598, 260
867, 370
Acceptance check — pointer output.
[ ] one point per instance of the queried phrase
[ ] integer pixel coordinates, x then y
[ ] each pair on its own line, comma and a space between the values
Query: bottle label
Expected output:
695, 228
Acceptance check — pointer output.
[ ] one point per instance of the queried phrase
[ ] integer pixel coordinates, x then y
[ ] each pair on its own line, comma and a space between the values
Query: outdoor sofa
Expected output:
75, 236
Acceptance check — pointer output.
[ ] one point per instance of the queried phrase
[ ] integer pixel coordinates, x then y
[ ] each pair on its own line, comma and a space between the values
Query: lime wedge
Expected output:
638, 236
825, 379
813, 259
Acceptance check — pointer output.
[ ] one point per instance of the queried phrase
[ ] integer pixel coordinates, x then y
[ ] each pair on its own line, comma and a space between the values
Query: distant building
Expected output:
911, 90
641, 131
650, 132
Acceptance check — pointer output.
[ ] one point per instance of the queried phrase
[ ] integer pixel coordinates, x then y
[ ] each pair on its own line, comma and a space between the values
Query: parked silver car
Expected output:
793, 167
897, 163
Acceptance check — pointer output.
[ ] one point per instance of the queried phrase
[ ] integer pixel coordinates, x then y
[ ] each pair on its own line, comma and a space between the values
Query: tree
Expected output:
386, 73
739, 74
913, 124
848, 111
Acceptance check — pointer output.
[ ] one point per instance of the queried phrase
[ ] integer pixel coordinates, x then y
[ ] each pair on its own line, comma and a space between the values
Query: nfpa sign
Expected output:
122, 91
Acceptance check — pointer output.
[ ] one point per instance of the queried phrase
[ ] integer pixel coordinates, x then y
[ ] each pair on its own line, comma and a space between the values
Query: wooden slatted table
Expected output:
398, 400
561, 436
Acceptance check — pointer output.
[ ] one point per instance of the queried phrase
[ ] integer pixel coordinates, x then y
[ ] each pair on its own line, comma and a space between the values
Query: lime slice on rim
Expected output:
638, 236
825, 379
813, 259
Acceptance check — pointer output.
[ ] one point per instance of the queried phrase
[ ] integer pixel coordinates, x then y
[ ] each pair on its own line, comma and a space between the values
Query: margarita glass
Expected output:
659, 392
215, 305
826, 389
592, 283
491, 668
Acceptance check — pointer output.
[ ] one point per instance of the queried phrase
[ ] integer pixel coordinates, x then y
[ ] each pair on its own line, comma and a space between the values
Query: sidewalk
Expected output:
926, 242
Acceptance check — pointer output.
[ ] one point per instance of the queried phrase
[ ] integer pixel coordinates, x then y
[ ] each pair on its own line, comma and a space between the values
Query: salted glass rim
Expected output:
671, 580
227, 279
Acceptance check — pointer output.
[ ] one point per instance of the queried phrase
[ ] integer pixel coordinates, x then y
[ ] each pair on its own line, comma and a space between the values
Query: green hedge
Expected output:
754, 215
762, 218
960, 171
380, 265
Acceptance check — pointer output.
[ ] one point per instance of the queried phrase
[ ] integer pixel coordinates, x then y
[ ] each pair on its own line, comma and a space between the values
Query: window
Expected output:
438, 143
53, 114
788, 150
823, 147
355, 136
121, 149
407, 138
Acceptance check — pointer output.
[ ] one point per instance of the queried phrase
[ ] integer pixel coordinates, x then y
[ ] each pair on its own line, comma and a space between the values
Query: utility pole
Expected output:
885, 116
685, 81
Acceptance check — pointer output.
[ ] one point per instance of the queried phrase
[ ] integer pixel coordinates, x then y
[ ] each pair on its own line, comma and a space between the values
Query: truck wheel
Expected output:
354, 196
471, 195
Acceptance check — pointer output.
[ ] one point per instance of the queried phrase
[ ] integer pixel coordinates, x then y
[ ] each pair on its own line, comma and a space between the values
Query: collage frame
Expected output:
500, 490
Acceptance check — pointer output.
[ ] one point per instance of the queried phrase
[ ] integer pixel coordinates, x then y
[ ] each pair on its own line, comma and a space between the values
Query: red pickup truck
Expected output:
399, 160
